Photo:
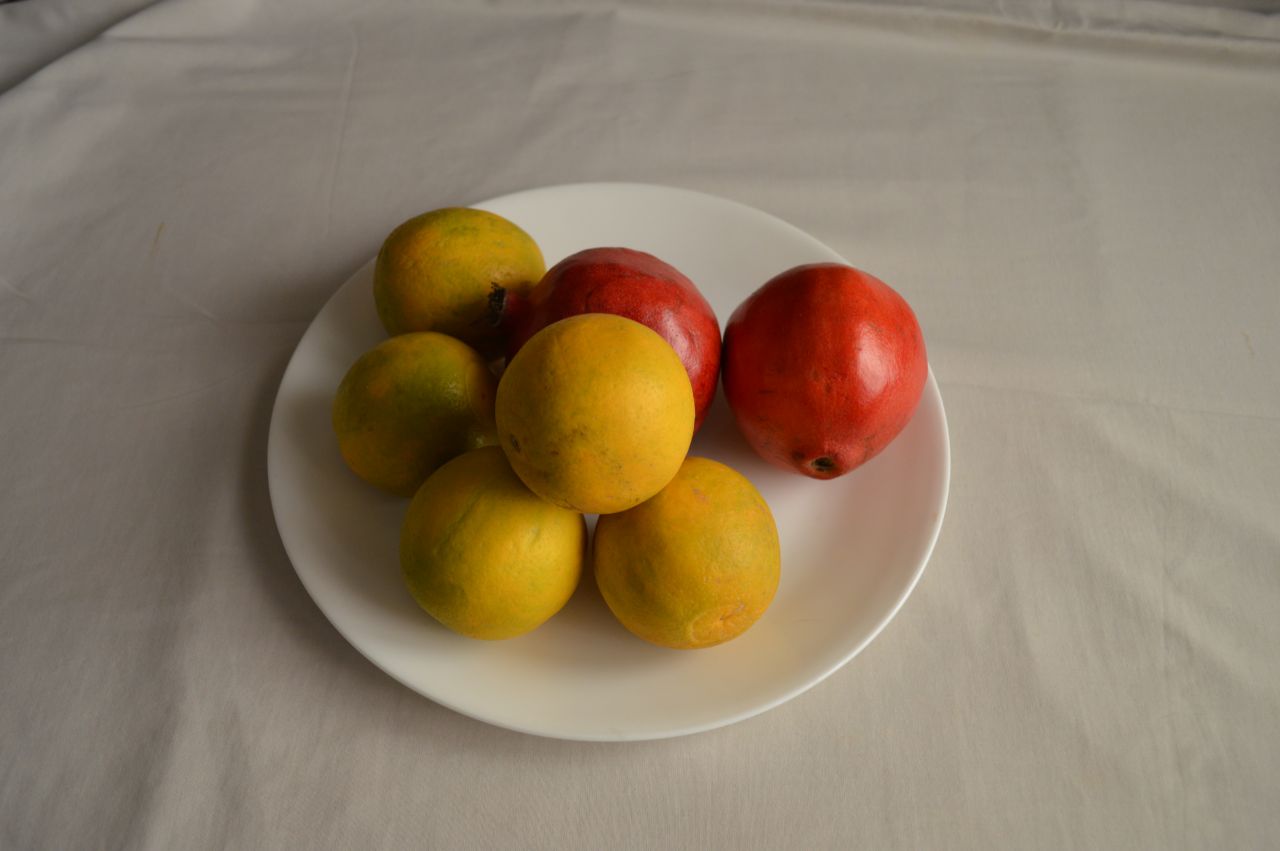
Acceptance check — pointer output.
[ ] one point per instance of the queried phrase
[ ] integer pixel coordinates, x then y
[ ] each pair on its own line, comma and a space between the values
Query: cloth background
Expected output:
1081, 202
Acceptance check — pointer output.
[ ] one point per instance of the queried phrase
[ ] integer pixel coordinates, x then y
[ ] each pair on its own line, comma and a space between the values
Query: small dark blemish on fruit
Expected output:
825, 464
515, 444
497, 305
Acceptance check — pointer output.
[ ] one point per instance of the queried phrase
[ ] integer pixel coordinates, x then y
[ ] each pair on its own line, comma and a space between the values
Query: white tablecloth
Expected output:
1082, 204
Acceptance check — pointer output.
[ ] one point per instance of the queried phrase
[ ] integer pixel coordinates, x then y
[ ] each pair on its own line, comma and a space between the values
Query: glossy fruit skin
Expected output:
633, 284
824, 365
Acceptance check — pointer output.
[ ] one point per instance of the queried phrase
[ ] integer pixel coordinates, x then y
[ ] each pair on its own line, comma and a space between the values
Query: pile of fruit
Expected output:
511, 400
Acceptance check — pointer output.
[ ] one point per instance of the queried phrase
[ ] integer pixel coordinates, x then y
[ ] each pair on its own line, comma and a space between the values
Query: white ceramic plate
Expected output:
852, 548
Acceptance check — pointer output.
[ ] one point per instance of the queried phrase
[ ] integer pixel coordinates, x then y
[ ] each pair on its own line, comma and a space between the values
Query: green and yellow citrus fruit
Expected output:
483, 555
695, 565
436, 272
410, 404
595, 413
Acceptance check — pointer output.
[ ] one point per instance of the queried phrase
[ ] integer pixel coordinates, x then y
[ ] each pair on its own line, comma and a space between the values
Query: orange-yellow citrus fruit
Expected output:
595, 413
484, 556
437, 271
695, 565
410, 404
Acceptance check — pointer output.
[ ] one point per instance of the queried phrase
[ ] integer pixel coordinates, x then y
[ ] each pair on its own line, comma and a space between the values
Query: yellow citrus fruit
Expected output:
437, 271
595, 413
484, 556
410, 404
696, 565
